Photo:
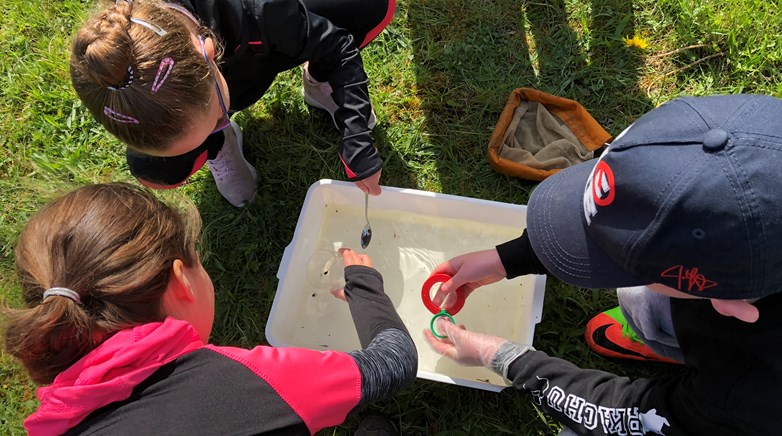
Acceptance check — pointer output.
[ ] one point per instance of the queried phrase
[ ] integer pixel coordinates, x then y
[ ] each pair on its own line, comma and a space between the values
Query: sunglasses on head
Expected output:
225, 120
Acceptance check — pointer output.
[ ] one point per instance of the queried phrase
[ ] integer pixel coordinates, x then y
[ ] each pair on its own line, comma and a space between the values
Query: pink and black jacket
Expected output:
159, 378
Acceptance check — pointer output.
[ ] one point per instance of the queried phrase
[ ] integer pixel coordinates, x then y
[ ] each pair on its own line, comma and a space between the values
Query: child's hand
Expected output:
465, 347
370, 185
350, 257
468, 272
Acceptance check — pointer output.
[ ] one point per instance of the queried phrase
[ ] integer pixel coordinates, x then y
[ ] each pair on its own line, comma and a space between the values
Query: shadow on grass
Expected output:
468, 58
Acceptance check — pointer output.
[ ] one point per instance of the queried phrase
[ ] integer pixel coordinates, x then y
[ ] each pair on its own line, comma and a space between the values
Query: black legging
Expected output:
364, 19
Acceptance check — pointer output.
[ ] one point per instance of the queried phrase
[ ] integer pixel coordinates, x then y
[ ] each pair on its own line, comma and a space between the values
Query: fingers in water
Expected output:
339, 293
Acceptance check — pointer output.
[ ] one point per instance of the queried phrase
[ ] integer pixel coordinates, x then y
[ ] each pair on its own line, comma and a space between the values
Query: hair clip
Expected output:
167, 64
182, 10
153, 27
127, 83
118, 117
62, 292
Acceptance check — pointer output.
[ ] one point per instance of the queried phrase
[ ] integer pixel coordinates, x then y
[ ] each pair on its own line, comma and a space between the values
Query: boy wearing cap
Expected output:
682, 213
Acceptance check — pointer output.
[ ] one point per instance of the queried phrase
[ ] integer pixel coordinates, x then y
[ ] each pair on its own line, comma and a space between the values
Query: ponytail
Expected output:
64, 333
112, 246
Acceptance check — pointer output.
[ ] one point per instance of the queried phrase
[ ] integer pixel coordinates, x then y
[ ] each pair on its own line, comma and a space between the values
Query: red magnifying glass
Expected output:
427, 297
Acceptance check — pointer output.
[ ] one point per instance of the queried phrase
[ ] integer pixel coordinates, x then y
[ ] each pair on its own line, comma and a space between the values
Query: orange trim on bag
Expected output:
577, 119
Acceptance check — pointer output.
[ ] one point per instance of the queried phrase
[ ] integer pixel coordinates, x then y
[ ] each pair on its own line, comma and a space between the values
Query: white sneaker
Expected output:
235, 177
318, 94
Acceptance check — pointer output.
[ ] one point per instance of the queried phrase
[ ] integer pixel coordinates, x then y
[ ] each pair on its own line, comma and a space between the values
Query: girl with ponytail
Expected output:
118, 318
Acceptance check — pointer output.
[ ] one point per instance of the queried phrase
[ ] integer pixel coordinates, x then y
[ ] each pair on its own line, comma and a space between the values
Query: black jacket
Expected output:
265, 37
728, 385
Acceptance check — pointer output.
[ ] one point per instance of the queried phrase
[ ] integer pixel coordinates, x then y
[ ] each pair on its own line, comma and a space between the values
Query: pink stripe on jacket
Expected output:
110, 372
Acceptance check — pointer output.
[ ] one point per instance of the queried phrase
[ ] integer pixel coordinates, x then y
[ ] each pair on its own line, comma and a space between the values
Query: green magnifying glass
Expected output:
441, 314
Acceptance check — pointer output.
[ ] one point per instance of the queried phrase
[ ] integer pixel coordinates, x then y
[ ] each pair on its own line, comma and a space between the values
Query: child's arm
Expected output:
333, 57
472, 270
518, 257
389, 360
322, 387
589, 402
593, 402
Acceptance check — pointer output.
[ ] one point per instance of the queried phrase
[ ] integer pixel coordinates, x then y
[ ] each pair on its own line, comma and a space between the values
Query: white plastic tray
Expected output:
412, 232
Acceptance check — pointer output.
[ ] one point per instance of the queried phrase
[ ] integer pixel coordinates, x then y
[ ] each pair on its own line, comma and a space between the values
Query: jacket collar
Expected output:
109, 373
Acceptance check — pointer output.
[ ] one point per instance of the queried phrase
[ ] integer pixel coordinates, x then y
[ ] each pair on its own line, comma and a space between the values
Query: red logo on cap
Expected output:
603, 184
691, 277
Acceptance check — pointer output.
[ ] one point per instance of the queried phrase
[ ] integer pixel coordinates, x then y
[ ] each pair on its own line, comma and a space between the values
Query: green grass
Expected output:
440, 75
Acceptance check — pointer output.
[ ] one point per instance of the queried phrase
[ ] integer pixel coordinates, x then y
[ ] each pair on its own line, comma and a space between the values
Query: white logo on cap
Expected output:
599, 189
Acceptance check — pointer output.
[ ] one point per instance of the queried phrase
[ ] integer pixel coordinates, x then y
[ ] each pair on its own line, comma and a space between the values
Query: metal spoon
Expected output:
366, 233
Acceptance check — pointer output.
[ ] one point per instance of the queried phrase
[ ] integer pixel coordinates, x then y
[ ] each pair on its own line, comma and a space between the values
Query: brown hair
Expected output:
109, 47
114, 245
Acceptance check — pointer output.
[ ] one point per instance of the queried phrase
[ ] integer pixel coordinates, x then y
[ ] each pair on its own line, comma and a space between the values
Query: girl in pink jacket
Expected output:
119, 313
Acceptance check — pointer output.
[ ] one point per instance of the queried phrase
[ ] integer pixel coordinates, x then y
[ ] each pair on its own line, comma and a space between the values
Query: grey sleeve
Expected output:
389, 364
389, 360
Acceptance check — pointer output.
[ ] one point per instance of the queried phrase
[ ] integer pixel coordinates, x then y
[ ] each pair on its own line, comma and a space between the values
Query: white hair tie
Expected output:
62, 292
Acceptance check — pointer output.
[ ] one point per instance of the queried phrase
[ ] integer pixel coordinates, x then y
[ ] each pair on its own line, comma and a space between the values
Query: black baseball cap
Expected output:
689, 196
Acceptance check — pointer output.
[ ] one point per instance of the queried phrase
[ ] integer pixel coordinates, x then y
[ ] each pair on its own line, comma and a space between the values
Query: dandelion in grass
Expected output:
636, 42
